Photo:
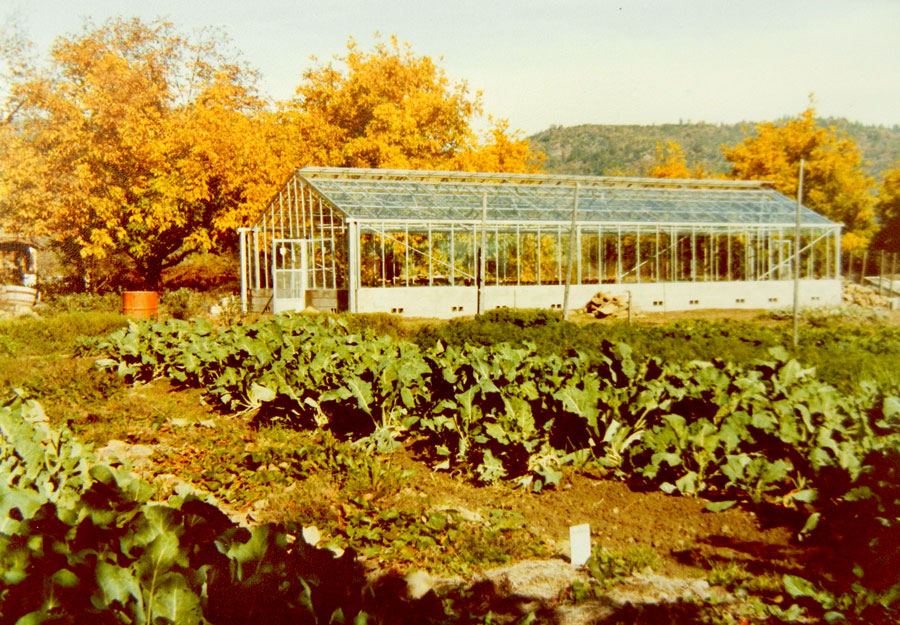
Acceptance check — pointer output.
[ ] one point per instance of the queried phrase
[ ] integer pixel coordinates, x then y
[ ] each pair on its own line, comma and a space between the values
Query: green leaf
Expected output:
260, 394
811, 523
254, 549
808, 495
669, 458
687, 483
65, 578
174, 600
116, 584
34, 618
798, 587
719, 506
550, 475
891, 407
362, 391
363, 618
496, 431
160, 556
407, 397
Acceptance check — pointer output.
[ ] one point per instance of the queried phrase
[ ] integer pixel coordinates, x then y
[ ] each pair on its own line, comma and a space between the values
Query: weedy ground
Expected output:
392, 508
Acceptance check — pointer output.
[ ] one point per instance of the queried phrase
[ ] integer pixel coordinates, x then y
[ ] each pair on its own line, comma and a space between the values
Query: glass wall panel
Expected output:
590, 258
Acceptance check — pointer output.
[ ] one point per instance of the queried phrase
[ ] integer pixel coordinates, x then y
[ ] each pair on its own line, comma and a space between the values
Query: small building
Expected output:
18, 260
444, 244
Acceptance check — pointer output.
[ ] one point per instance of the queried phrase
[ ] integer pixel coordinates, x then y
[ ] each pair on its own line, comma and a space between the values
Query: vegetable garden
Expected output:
758, 430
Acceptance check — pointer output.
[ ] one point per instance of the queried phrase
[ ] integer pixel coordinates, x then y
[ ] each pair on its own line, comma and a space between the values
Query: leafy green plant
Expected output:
55, 304
81, 540
608, 568
441, 541
181, 303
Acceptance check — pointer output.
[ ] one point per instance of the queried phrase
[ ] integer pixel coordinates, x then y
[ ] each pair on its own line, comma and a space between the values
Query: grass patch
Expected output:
736, 578
27, 336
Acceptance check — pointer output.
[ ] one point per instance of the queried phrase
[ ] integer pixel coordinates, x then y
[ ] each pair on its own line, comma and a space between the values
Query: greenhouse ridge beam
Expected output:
346, 173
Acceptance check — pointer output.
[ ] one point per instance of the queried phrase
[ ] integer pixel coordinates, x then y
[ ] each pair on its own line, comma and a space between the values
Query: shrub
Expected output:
202, 272
182, 303
56, 303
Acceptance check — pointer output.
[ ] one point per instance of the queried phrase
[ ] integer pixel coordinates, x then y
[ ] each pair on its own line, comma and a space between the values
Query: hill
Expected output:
596, 149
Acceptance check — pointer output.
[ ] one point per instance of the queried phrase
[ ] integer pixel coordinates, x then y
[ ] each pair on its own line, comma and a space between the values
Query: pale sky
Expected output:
571, 61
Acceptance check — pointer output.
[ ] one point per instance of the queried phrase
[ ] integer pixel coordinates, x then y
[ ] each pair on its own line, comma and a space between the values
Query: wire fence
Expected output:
873, 268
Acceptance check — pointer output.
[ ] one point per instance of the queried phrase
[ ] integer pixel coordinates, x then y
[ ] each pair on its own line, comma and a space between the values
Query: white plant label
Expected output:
580, 543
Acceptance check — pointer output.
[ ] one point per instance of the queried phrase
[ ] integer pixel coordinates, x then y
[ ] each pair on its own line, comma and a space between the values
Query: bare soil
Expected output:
688, 538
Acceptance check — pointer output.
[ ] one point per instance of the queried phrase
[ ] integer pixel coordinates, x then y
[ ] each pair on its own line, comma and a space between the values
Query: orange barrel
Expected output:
140, 304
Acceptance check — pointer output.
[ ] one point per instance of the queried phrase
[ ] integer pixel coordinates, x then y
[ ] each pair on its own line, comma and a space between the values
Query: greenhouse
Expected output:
444, 244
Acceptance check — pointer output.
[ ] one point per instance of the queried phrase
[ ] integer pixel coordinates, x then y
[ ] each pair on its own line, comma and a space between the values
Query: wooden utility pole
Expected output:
797, 259
481, 260
572, 245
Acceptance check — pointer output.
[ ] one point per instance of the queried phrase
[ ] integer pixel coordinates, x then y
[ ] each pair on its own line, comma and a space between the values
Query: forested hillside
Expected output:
631, 150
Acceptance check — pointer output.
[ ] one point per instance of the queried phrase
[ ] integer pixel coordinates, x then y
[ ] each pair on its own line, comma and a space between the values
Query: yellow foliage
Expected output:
138, 141
134, 141
852, 243
835, 184
504, 152
672, 163
391, 109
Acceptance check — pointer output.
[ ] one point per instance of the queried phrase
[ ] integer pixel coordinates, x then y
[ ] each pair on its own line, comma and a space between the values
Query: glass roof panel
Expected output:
372, 195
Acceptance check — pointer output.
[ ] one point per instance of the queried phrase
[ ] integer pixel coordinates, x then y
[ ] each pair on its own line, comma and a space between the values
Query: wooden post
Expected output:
881, 275
481, 260
797, 258
862, 270
565, 312
893, 272
242, 239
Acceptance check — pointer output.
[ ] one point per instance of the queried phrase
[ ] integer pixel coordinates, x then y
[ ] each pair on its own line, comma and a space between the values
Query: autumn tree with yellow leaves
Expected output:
134, 141
391, 109
835, 184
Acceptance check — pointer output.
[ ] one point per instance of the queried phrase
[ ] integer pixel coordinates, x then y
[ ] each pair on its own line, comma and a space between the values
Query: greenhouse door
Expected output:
290, 274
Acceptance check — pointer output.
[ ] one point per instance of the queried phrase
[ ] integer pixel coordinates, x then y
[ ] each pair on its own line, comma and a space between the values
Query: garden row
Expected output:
769, 430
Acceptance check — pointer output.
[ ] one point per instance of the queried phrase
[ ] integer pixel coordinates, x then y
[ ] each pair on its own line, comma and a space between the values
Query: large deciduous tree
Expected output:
133, 140
389, 108
835, 183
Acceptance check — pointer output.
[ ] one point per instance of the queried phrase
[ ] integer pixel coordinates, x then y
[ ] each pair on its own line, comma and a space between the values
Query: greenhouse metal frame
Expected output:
442, 244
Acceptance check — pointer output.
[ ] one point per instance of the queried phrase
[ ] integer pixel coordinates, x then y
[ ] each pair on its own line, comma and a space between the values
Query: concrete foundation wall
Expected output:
453, 301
